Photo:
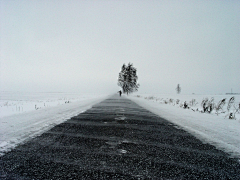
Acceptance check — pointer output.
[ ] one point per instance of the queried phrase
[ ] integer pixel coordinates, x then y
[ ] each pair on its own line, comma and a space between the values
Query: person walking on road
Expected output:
120, 93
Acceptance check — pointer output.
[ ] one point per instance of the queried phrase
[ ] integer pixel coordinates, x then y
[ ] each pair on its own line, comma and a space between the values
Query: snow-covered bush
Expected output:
177, 101
185, 105
231, 116
193, 102
232, 109
236, 110
151, 97
207, 105
219, 106
170, 101
203, 104
210, 105
227, 107
230, 103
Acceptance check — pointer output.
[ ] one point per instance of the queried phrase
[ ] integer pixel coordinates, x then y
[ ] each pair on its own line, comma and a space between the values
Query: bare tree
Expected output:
127, 79
178, 89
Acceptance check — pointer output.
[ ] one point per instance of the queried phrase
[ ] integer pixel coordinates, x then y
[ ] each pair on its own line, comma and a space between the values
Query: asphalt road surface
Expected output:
117, 139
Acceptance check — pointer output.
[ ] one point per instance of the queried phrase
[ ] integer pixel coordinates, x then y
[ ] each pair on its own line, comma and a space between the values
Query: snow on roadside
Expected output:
22, 102
219, 131
17, 128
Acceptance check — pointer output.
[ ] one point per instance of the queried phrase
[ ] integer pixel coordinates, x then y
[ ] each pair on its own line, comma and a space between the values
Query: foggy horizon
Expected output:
80, 46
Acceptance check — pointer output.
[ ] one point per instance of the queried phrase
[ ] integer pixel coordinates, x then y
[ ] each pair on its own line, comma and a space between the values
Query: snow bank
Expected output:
21, 126
22, 102
217, 130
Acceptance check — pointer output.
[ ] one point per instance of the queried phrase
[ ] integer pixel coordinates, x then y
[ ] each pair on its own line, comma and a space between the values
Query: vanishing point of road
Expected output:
117, 139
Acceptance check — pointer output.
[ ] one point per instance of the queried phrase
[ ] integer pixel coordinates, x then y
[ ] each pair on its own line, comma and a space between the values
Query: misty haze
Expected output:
119, 89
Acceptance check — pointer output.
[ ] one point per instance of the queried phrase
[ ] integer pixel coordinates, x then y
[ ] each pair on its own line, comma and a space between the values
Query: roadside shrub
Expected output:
204, 104
151, 97
210, 105
230, 103
170, 101
185, 105
193, 102
231, 116
219, 106
177, 101
237, 109
207, 105
158, 99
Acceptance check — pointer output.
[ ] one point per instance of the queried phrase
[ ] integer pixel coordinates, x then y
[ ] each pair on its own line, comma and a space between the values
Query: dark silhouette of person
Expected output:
120, 93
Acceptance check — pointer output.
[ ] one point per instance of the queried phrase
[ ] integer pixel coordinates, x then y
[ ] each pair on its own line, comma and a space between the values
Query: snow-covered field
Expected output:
215, 128
26, 115
22, 102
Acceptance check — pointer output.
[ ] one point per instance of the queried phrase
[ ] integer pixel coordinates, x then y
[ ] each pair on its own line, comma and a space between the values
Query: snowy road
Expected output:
216, 130
18, 128
117, 139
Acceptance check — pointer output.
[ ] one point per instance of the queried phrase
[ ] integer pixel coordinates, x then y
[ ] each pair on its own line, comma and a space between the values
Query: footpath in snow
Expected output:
218, 130
16, 128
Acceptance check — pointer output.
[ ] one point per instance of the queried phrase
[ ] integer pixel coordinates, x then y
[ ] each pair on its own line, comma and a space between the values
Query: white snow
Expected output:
218, 130
21, 102
19, 126
26, 115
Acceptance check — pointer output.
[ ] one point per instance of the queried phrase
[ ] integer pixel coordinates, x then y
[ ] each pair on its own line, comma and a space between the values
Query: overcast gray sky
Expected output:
80, 46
